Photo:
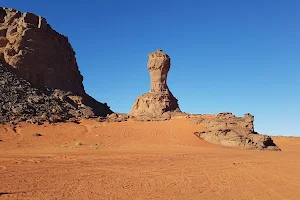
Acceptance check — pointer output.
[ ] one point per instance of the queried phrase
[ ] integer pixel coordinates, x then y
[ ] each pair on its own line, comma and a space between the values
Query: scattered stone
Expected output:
113, 116
37, 135
20, 101
101, 119
95, 146
77, 144
74, 120
87, 112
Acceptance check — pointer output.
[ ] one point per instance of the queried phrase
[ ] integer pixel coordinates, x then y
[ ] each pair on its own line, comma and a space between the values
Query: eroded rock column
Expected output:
158, 66
159, 100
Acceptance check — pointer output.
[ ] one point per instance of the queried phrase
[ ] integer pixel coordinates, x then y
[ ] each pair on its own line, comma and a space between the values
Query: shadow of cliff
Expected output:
99, 109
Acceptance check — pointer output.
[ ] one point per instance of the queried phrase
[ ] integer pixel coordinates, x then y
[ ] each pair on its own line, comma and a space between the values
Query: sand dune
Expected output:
140, 160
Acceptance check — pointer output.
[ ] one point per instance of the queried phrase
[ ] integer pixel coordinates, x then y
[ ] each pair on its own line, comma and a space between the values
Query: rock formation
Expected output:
228, 130
20, 101
41, 55
160, 99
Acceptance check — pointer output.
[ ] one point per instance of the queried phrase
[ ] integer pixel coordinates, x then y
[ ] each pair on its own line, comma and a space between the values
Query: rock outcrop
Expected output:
20, 101
228, 130
159, 100
41, 55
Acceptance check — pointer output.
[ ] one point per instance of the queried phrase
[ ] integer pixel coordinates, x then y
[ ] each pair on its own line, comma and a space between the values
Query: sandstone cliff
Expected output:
160, 99
41, 55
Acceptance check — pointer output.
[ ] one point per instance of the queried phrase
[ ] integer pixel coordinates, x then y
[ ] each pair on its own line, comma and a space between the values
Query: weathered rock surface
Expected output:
228, 130
160, 99
41, 55
20, 101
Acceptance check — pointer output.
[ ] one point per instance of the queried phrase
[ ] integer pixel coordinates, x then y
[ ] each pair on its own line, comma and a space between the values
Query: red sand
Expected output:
140, 160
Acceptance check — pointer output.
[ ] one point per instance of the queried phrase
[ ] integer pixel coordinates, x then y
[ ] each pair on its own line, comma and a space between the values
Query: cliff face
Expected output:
41, 55
37, 52
160, 99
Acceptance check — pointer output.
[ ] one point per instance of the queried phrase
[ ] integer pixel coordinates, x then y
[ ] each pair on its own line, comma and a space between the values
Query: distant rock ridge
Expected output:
41, 55
159, 100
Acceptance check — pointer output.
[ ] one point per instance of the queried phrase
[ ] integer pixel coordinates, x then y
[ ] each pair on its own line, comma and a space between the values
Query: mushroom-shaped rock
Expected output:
160, 99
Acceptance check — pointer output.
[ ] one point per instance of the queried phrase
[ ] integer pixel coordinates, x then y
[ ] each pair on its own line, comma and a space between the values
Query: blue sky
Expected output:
233, 55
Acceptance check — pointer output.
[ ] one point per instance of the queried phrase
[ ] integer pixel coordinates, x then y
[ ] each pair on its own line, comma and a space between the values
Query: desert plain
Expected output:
140, 160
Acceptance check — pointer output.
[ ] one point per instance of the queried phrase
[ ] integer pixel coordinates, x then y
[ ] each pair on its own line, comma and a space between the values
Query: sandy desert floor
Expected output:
140, 160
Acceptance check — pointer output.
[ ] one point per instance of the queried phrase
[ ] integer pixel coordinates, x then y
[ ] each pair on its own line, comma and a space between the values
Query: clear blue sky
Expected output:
235, 55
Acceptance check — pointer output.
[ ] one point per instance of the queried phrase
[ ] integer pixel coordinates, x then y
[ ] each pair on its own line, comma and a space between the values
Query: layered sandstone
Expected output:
41, 55
228, 130
160, 99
